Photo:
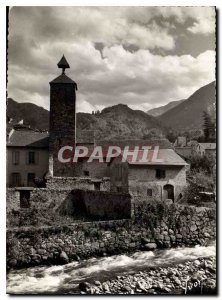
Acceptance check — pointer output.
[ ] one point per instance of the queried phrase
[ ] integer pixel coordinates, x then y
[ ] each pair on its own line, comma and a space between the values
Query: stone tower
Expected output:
62, 120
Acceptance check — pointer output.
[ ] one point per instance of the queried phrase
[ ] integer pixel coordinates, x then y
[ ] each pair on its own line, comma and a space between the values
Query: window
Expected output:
86, 173
15, 157
160, 173
16, 179
119, 189
149, 192
31, 157
30, 179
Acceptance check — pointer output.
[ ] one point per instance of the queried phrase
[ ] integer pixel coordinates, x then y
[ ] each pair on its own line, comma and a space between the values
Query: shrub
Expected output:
201, 181
200, 163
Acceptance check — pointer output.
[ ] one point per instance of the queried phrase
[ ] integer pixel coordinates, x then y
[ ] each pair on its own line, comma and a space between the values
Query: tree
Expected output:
200, 163
208, 127
153, 133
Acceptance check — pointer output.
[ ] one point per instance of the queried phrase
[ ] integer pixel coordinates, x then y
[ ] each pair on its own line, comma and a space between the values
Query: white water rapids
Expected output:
65, 279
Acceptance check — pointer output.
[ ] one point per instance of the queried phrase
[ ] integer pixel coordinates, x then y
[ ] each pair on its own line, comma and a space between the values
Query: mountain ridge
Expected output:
188, 115
157, 111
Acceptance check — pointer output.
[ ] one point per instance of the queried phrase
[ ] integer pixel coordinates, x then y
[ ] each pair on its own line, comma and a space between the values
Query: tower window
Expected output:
86, 173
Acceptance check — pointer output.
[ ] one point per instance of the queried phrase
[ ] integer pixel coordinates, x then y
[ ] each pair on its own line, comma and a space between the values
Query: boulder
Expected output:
159, 237
145, 240
83, 286
150, 246
179, 236
63, 257
41, 251
206, 234
173, 238
193, 228
13, 262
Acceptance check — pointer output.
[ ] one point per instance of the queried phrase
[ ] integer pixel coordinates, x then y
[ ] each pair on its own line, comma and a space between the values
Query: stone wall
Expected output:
79, 202
153, 227
102, 205
95, 169
12, 199
70, 183
174, 173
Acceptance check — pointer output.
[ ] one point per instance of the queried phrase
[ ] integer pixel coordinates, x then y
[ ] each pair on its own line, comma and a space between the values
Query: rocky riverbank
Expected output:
192, 277
161, 228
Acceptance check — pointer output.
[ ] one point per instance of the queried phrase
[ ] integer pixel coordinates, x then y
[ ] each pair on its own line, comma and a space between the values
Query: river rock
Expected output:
83, 286
166, 244
41, 251
145, 240
160, 237
173, 238
177, 281
150, 246
206, 234
13, 262
193, 228
179, 236
63, 257
197, 262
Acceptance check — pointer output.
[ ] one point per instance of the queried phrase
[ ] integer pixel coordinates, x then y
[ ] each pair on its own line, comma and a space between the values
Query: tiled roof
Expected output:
168, 156
162, 143
208, 146
28, 138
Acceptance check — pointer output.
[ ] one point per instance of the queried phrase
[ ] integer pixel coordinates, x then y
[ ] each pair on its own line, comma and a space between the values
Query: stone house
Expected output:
27, 156
182, 147
204, 148
150, 180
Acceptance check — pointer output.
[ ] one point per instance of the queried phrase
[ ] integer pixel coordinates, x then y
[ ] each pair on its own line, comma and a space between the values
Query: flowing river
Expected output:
66, 278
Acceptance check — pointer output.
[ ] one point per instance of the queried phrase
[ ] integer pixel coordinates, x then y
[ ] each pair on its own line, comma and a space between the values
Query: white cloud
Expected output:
203, 17
141, 79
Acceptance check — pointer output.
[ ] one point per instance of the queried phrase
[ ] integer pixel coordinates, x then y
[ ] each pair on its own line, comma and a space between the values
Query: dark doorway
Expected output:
24, 199
97, 186
168, 192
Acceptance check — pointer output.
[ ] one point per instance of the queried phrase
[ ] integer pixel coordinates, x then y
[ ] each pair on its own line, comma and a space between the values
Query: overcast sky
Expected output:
140, 56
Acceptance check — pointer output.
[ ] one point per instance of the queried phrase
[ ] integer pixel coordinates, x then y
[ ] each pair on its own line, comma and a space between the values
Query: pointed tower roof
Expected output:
63, 79
63, 64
